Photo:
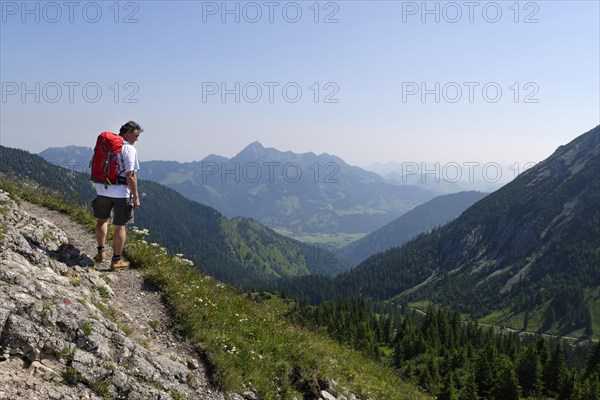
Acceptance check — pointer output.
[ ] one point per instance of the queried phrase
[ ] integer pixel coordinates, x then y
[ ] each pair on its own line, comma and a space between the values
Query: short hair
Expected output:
130, 126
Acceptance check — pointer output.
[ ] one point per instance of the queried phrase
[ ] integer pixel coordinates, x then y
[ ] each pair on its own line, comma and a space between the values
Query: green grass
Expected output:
252, 344
51, 199
421, 305
498, 317
87, 328
249, 343
335, 240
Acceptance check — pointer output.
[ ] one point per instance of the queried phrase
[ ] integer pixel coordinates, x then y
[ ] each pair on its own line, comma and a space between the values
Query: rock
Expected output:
327, 396
250, 395
193, 364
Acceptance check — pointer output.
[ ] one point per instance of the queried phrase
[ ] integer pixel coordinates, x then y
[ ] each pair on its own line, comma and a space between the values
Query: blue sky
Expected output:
362, 70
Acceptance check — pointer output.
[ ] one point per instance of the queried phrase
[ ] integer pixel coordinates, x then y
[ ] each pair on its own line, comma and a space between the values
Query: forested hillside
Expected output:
456, 359
525, 256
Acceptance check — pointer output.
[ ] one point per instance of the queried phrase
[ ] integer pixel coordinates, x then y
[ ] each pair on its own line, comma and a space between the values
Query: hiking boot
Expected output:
99, 257
119, 264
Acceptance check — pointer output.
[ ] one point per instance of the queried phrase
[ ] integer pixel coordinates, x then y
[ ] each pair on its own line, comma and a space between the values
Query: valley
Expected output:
516, 267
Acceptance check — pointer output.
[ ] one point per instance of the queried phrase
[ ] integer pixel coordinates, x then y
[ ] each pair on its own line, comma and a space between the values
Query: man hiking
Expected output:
121, 196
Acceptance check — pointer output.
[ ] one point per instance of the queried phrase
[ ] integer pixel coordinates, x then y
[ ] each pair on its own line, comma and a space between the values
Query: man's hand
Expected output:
132, 183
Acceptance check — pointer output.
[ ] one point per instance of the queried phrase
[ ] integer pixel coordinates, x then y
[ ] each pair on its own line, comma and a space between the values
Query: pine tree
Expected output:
554, 371
449, 392
469, 391
507, 387
543, 351
592, 364
398, 355
529, 370
485, 371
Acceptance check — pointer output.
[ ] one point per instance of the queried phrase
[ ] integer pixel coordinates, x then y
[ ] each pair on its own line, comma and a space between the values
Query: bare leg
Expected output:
101, 231
119, 239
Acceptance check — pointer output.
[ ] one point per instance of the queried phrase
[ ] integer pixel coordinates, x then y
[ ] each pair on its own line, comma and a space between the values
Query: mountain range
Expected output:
525, 256
296, 194
239, 251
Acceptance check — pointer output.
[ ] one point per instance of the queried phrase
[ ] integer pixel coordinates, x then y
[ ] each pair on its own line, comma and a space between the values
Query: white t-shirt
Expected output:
130, 159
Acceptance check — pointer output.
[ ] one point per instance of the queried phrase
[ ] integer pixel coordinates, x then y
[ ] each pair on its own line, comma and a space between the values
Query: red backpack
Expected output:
108, 162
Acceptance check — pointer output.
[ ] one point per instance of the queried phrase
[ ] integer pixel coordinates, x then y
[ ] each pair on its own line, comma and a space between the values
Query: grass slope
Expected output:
245, 336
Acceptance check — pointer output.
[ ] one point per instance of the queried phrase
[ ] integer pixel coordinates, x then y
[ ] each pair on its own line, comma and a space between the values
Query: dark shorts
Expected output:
123, 209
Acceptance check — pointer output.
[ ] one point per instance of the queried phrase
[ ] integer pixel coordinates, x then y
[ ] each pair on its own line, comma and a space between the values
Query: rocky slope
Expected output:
69, 330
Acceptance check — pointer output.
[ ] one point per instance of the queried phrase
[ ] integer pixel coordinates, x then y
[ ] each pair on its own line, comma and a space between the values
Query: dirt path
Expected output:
139, 303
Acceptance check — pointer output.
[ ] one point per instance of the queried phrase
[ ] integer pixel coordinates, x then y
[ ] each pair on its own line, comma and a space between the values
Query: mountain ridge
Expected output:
424, 217
298, 194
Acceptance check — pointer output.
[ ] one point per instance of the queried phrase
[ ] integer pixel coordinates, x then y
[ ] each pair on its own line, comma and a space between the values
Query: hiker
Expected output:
122, 196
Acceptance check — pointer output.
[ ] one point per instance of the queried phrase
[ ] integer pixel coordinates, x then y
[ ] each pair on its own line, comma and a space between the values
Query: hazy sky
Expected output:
372, 81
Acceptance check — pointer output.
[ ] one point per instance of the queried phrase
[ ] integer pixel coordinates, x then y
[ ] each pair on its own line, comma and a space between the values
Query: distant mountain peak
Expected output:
256, 151
253, 150
254, 146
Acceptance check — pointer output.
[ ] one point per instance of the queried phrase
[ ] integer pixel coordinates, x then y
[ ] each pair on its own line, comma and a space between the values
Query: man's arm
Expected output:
133, 187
